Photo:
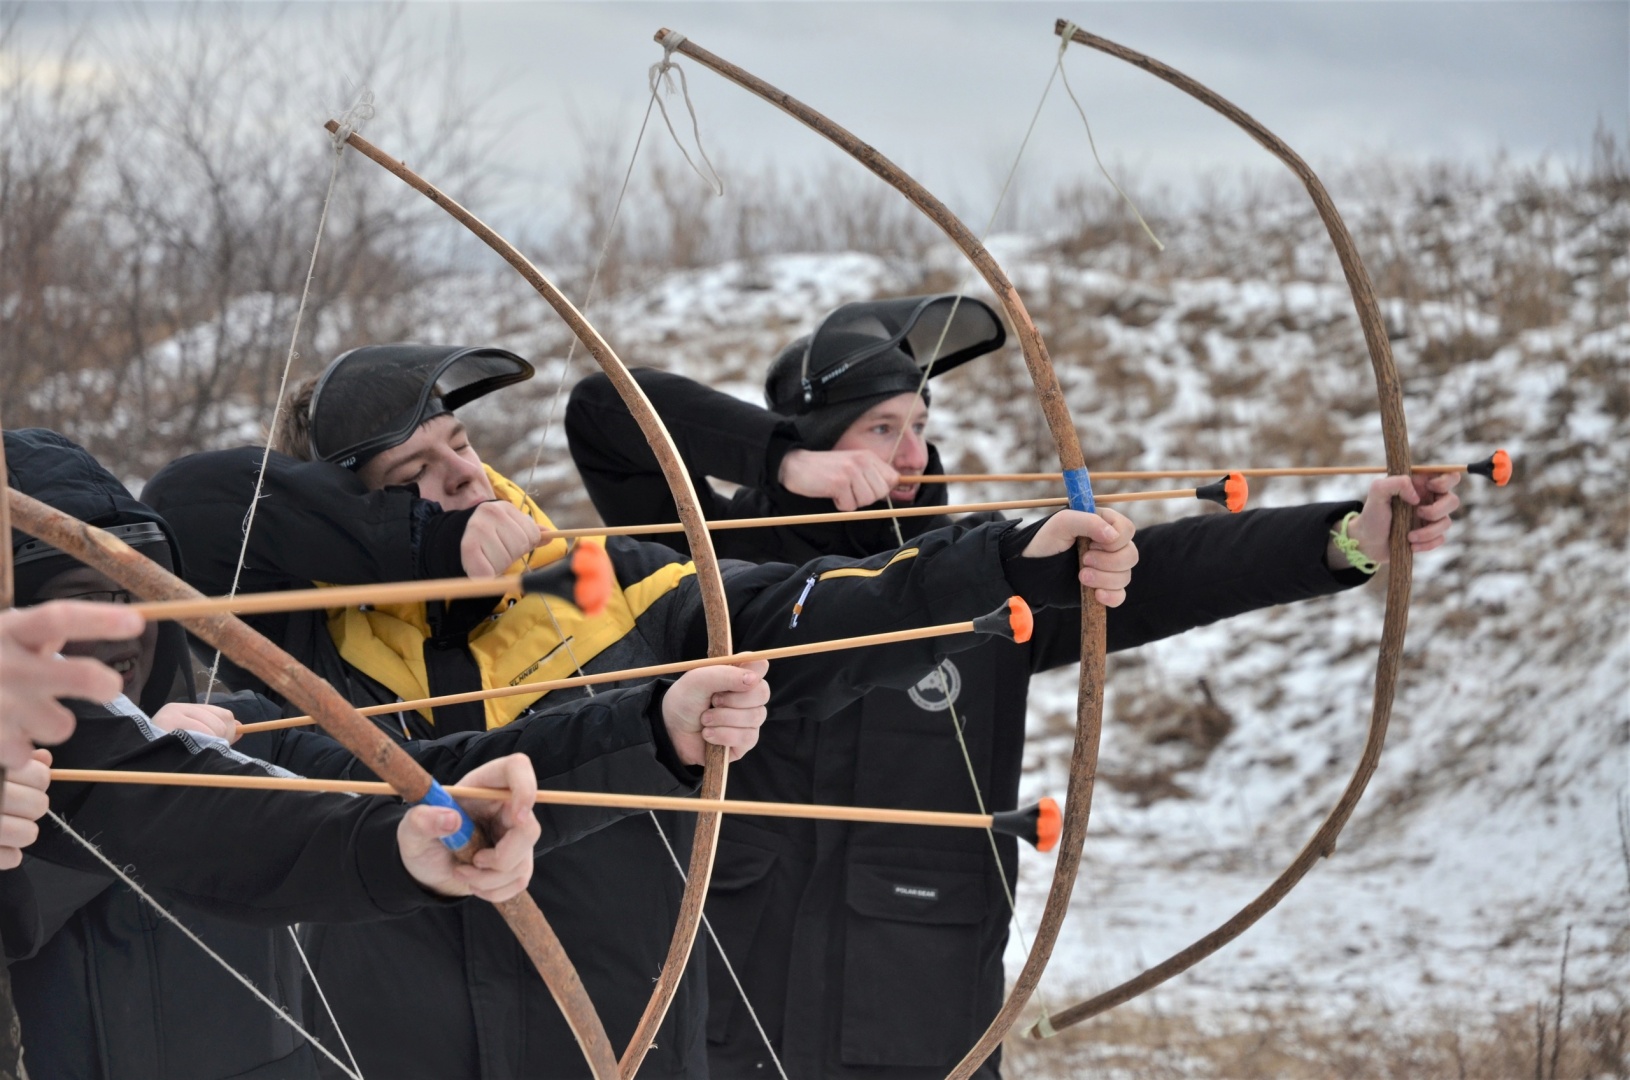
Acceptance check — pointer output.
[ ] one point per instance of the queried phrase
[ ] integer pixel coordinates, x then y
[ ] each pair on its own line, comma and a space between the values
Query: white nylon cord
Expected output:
663, 71
1069, 31
594, 282
990, 834
728, 966
362, 109
990, 223
322, 997
130, 883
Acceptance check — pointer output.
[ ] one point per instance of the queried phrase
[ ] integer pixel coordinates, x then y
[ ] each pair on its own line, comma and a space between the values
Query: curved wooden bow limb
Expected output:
1090, 700
1400, 571
288, 677
715, 772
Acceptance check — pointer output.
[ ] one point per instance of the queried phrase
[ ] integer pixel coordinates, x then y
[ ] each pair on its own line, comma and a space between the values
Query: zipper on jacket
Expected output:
798, 605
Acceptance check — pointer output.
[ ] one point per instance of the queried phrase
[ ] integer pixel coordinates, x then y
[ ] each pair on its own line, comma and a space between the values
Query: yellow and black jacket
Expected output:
449, 993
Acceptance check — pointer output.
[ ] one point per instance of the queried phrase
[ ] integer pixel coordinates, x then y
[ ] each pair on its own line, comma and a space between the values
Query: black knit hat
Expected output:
373, 398
867, 352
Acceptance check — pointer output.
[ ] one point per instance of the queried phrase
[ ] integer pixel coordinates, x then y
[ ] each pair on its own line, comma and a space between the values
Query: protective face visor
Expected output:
373, 398
875, 348
37, 562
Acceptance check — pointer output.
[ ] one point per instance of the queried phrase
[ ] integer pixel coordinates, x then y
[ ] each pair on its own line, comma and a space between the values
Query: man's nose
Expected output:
912, 458
462, 471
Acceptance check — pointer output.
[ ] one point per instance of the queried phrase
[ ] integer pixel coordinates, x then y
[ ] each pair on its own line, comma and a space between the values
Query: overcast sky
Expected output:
946, 89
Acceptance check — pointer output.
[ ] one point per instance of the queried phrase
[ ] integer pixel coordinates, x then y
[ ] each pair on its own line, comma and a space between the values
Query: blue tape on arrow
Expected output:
1078, 485
437, 796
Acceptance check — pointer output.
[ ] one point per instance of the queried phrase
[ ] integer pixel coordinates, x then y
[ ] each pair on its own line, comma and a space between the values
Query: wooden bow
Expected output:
1399, 575
715, 771
288, 677
1090, 699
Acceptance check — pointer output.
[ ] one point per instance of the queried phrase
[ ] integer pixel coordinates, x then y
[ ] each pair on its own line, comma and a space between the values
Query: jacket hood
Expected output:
62, 474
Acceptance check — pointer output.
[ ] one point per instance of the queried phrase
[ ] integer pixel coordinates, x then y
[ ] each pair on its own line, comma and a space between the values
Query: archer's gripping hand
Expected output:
850, 478
498, 873
1433, 498
496, 536
1106, 565
25, 803
723, 705
199, 717
33, 676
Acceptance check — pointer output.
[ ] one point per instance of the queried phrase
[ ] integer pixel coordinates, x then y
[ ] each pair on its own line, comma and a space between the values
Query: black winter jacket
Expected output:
103, 987
874, 950
449, 994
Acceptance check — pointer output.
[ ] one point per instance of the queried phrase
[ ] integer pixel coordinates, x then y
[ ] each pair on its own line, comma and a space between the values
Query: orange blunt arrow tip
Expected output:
1497, 467
585, 578
1231, 491
1012, 621
1039, 824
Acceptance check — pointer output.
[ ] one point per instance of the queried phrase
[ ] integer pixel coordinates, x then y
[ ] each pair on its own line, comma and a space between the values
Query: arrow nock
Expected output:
1231, 491
585, 578
1012, 620
1039, 824
1497, 467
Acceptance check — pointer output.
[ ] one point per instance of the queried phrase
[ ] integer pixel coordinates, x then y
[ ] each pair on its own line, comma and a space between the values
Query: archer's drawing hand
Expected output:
1433, 499
850, 478
33, 676
196, 716
499, 872
1106, 565
496, 535
25, 803
722, 705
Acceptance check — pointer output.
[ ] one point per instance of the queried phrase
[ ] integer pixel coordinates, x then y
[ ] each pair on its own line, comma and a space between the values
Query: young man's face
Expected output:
133, 658
879, 430
440, 460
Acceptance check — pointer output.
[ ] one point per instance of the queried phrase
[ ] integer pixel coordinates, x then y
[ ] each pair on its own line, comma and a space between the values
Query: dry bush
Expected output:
1142, 1043
157, 234
670, 218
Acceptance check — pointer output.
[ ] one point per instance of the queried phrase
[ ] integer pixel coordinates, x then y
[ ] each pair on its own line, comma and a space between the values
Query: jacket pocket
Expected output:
911, 963
737, 896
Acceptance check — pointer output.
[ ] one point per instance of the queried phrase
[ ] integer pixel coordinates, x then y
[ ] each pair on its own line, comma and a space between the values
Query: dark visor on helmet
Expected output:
138, 534
373, 398
945, 331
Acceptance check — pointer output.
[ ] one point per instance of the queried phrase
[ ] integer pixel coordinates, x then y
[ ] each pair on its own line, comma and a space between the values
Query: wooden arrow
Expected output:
1013, 621
1037, 823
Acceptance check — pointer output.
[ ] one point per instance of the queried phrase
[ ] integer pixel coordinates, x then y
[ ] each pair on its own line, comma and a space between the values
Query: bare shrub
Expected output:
149, 288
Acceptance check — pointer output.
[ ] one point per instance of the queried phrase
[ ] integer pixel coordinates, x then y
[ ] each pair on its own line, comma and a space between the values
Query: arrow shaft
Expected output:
406, 592
650, 672
876, 815
870, 515
399, 592
1162, 474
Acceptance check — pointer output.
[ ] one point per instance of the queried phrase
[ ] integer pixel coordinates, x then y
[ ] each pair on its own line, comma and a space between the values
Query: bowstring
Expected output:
659, 71
730, 968
361, 110
588, 297
244, 980
660, 74
1054, 75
